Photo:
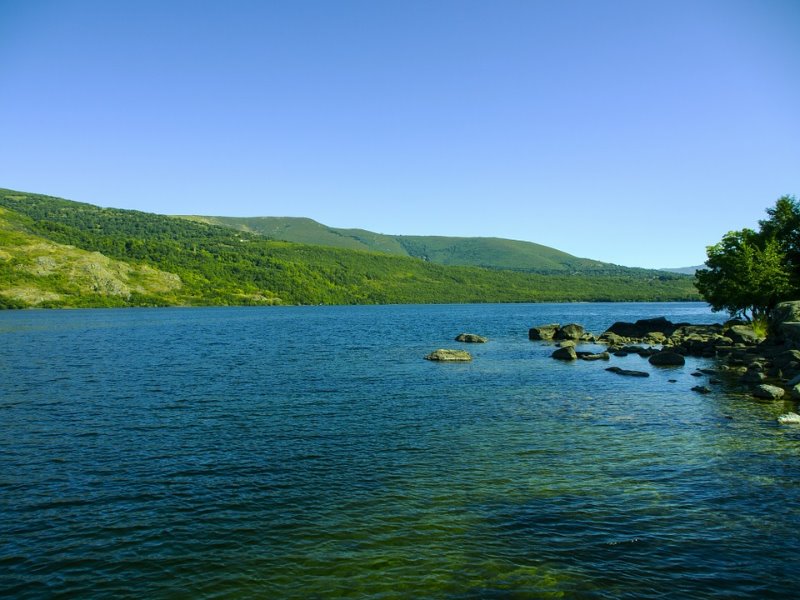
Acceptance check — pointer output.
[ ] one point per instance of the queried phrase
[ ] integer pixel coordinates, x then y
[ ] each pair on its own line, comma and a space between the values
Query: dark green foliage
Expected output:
218, 265
750, 272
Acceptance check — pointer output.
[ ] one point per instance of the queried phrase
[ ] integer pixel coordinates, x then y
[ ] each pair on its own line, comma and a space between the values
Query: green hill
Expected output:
496, 253
93, 256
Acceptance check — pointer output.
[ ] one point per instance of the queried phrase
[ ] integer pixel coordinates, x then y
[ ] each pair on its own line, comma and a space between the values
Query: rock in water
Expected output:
566, 353
471, 338
573, 331
768, 392
667, 359
628, 372
789, 419
446, 355
701, 389
543, 332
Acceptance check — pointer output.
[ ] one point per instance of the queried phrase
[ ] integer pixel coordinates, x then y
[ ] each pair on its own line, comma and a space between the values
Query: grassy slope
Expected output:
466, 251
37, 272
217, 265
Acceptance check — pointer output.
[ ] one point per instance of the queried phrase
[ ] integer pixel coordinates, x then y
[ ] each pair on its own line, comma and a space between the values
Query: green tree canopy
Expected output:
749, 272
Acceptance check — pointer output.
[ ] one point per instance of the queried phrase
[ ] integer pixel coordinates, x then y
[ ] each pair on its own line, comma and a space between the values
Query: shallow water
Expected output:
310, 452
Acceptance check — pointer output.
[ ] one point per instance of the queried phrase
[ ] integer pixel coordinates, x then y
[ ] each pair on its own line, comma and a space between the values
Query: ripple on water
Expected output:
311, 453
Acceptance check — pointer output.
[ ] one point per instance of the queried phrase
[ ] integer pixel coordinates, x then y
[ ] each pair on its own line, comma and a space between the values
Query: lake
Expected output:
311, 452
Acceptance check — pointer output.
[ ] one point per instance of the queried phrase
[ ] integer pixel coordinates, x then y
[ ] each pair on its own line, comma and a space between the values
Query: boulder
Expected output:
627, 372
445, 355
796, 392
742, 334
786, 312
752, 376
471, 338
611, 338
572, 331
667, 359
786, 358
594, 356
768, 392
789, 418
784, 323
642, 328
566, 353
543, 332
790, 332
701, 389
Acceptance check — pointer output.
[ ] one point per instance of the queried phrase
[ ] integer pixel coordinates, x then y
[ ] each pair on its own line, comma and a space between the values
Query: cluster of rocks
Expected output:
769, 366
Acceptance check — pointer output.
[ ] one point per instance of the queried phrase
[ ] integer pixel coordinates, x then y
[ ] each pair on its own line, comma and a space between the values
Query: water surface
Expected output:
310, 452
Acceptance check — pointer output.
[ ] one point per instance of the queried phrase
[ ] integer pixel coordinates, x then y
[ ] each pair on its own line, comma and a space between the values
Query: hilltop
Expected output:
59, 253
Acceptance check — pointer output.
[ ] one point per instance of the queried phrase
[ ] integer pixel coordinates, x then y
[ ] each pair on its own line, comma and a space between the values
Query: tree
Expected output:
747, 275
784, 225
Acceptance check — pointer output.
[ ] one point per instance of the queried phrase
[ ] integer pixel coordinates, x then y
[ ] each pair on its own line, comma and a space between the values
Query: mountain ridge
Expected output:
487, 252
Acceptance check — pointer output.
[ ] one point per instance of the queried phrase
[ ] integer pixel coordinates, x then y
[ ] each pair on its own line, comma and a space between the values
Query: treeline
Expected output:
217, 265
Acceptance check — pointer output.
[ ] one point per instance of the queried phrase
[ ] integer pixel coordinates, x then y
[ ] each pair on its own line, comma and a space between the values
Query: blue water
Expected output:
310, 452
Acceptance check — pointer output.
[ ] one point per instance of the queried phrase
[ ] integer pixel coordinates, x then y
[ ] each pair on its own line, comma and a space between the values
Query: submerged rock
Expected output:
471, 338
701, 389
445, 355
667, 359
628, 372
594, 355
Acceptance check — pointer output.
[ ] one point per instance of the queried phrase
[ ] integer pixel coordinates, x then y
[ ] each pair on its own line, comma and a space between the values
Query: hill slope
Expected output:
497, 253
160, 260
37, 272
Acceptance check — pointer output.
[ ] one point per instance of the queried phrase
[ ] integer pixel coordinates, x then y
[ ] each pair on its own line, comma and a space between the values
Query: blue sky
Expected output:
631, 132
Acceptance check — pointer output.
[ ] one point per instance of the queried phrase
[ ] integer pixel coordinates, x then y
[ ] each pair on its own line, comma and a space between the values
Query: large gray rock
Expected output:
768, 392
594, 356
445, 355
566, 353
543, 332
667, 359
572, 331
471, 338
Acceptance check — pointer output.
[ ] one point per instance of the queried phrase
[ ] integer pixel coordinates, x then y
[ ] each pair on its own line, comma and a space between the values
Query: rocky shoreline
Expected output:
768, 366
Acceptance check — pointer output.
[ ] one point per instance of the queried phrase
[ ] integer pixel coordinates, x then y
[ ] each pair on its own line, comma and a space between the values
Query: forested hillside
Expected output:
113, 257
487, 252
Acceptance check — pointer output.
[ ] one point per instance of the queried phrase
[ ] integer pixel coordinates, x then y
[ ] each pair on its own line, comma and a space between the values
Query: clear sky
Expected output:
634, 132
